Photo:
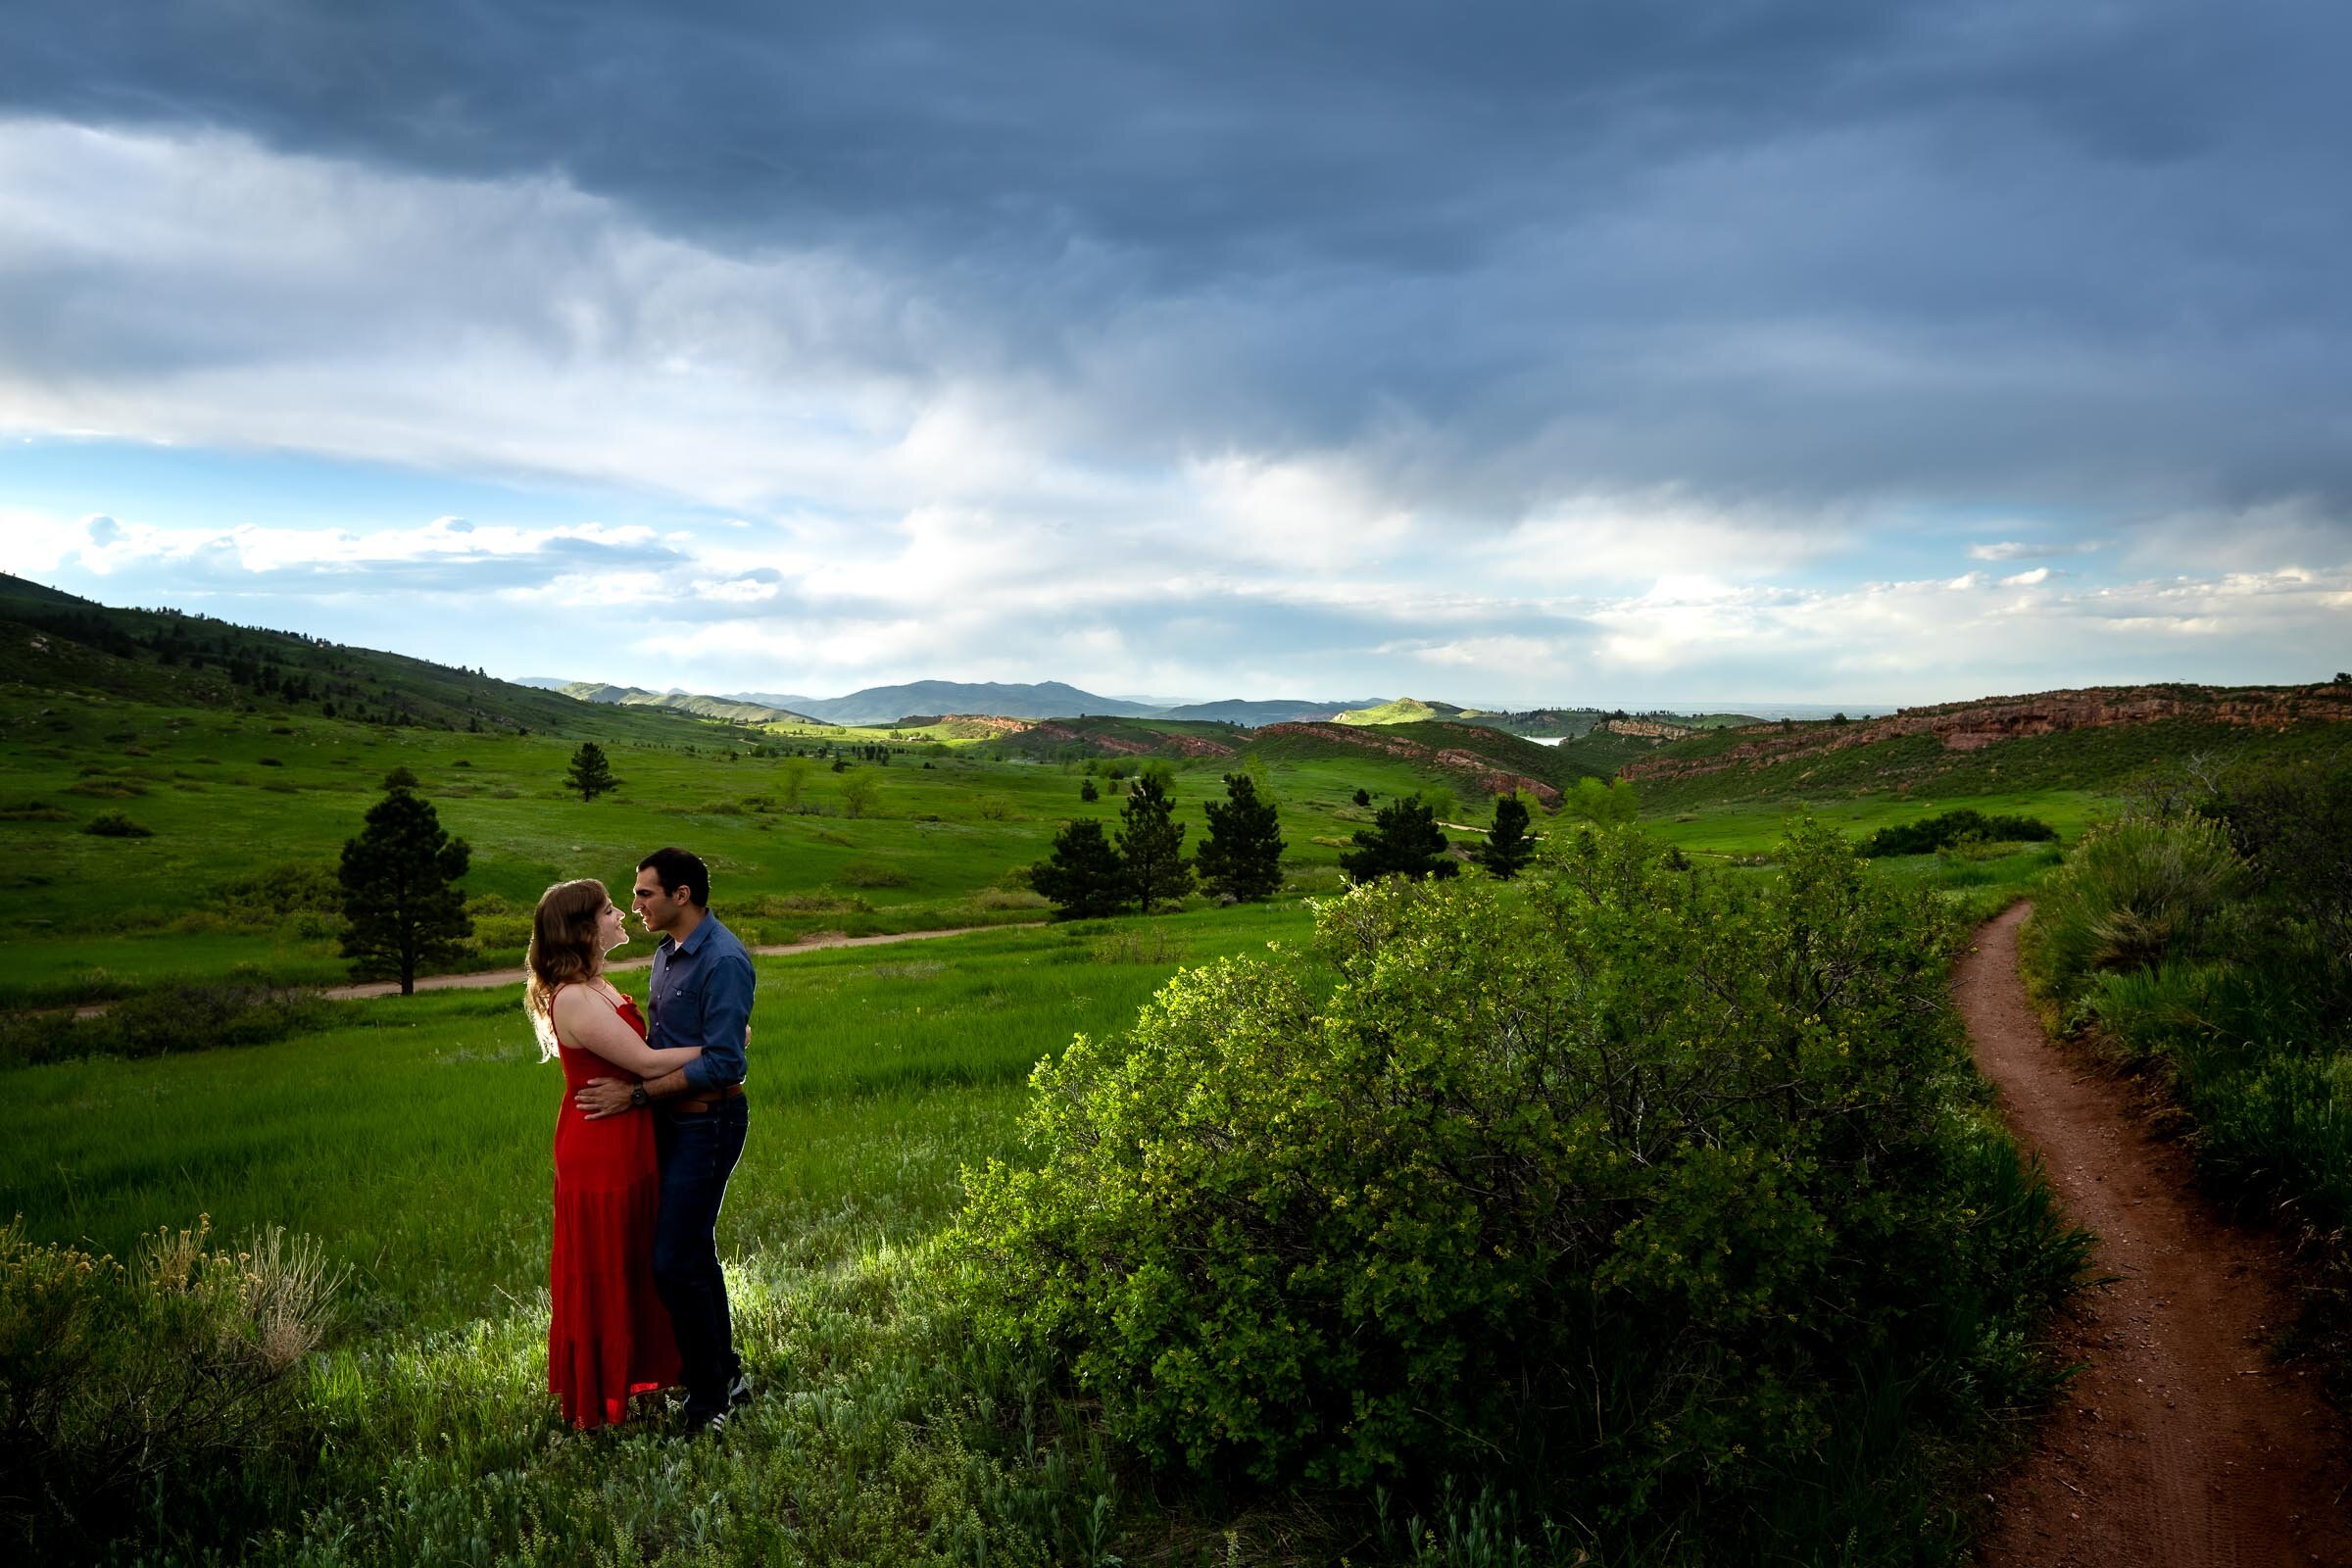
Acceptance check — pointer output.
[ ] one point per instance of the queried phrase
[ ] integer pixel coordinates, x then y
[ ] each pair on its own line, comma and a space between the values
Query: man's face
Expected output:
657, 907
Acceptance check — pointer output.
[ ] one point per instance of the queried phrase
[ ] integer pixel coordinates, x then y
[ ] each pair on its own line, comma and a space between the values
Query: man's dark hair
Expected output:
680, 869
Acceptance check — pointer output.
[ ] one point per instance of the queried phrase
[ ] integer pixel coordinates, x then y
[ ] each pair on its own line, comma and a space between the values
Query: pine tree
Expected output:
401, 903
1087, 790
1151, 843
1242, 856
1085, 877
1508, 848
1403, 840
591, 774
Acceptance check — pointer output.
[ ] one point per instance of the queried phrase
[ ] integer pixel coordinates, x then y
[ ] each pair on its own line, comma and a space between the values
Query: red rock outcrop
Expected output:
1482, 771
1987, 721
1122, 746
1648, 729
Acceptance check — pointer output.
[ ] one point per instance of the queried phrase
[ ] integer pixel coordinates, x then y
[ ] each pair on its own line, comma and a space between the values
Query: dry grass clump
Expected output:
124, 1385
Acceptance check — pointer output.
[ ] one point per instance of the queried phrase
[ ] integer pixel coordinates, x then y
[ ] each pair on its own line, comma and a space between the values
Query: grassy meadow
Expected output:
248, 812
413, 1136
409, 1137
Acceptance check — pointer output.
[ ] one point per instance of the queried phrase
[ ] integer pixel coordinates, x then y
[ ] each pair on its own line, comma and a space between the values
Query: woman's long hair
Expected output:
563, 952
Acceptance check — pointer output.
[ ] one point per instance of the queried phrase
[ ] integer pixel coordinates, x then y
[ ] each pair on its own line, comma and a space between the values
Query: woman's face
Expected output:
611, 933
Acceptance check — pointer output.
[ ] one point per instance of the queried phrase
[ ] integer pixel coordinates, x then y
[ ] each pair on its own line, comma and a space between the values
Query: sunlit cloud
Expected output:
2020, 550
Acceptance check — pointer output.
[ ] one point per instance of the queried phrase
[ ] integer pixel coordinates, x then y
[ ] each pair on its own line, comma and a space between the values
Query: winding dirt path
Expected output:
486, 979
2180, 1444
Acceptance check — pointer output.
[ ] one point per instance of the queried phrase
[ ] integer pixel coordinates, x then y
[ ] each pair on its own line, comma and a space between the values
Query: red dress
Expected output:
609, 1335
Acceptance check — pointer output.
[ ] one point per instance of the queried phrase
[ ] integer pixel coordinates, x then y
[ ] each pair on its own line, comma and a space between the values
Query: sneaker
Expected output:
739, 1391
705, 1424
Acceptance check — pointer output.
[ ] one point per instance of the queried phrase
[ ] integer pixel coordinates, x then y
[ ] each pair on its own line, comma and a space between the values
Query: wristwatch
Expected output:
638, 1097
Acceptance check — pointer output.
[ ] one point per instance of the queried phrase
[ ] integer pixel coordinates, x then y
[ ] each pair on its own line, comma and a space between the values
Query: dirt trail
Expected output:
488, 979
515, 977
2180, 1445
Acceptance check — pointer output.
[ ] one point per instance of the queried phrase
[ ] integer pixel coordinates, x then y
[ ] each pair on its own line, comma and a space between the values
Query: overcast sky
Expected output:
1620, 353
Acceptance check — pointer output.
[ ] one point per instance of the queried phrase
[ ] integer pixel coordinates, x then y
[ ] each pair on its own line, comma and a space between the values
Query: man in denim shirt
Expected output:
702, 996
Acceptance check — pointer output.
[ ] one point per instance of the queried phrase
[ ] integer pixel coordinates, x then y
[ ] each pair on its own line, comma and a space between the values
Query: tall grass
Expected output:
2204, 945
2134, 892
414, 1140
413, 1144
122, 1383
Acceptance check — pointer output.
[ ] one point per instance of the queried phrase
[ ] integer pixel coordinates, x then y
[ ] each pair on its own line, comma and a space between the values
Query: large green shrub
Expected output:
1609, 1189
2134, 892
175, 1016
2294, 824
124, 1385
1930, 834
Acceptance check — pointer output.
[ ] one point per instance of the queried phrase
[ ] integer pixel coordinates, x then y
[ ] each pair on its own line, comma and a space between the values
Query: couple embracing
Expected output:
652, 1125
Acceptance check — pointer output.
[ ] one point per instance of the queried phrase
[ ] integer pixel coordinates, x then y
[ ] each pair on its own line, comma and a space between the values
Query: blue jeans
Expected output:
697, 1153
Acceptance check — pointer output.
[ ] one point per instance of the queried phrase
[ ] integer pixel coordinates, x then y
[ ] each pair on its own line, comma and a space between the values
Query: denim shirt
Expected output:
702, 996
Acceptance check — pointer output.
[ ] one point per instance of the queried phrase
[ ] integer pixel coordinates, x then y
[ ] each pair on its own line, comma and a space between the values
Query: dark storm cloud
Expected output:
2080, 254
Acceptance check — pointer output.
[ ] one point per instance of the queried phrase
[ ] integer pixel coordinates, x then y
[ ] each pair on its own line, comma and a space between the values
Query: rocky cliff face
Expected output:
1120, 745
1648, 729
1971, 727
1481, 772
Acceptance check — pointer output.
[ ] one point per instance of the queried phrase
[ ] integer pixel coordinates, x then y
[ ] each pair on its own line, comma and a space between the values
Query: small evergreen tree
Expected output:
590, 773
1242, 856
1363, 796
1087, 790
1508, 847
1084, 878
1403, 840
1152, 844
401, 903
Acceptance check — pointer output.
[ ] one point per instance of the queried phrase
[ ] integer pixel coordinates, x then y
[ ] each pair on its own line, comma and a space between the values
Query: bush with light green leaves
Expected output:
1615, 1193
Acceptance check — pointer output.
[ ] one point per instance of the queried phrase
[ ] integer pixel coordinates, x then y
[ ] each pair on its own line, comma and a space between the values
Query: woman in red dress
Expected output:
609, 1335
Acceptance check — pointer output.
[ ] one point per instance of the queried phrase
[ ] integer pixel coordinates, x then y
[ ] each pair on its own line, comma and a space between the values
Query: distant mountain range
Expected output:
887, 704
750, 713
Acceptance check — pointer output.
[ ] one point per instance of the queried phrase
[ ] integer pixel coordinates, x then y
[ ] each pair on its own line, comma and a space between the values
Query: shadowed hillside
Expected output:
727, 707
2093, 738
57, 645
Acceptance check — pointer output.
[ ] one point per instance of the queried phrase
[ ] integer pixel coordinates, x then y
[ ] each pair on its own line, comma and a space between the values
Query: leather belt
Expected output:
703, 1103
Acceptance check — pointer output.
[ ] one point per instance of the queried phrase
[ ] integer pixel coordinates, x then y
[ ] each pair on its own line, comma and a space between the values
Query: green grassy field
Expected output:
414, 1137
228, 796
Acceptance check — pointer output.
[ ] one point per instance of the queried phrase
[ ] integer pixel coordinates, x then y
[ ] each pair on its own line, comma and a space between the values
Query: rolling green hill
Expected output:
59, 644
2098, 740
1403, 711
732, 710
1070, 739
1460, 756
1548, 723
1600, 752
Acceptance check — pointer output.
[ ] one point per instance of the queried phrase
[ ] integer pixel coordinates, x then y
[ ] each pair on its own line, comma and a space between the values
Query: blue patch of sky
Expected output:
200, 487
1933, 539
